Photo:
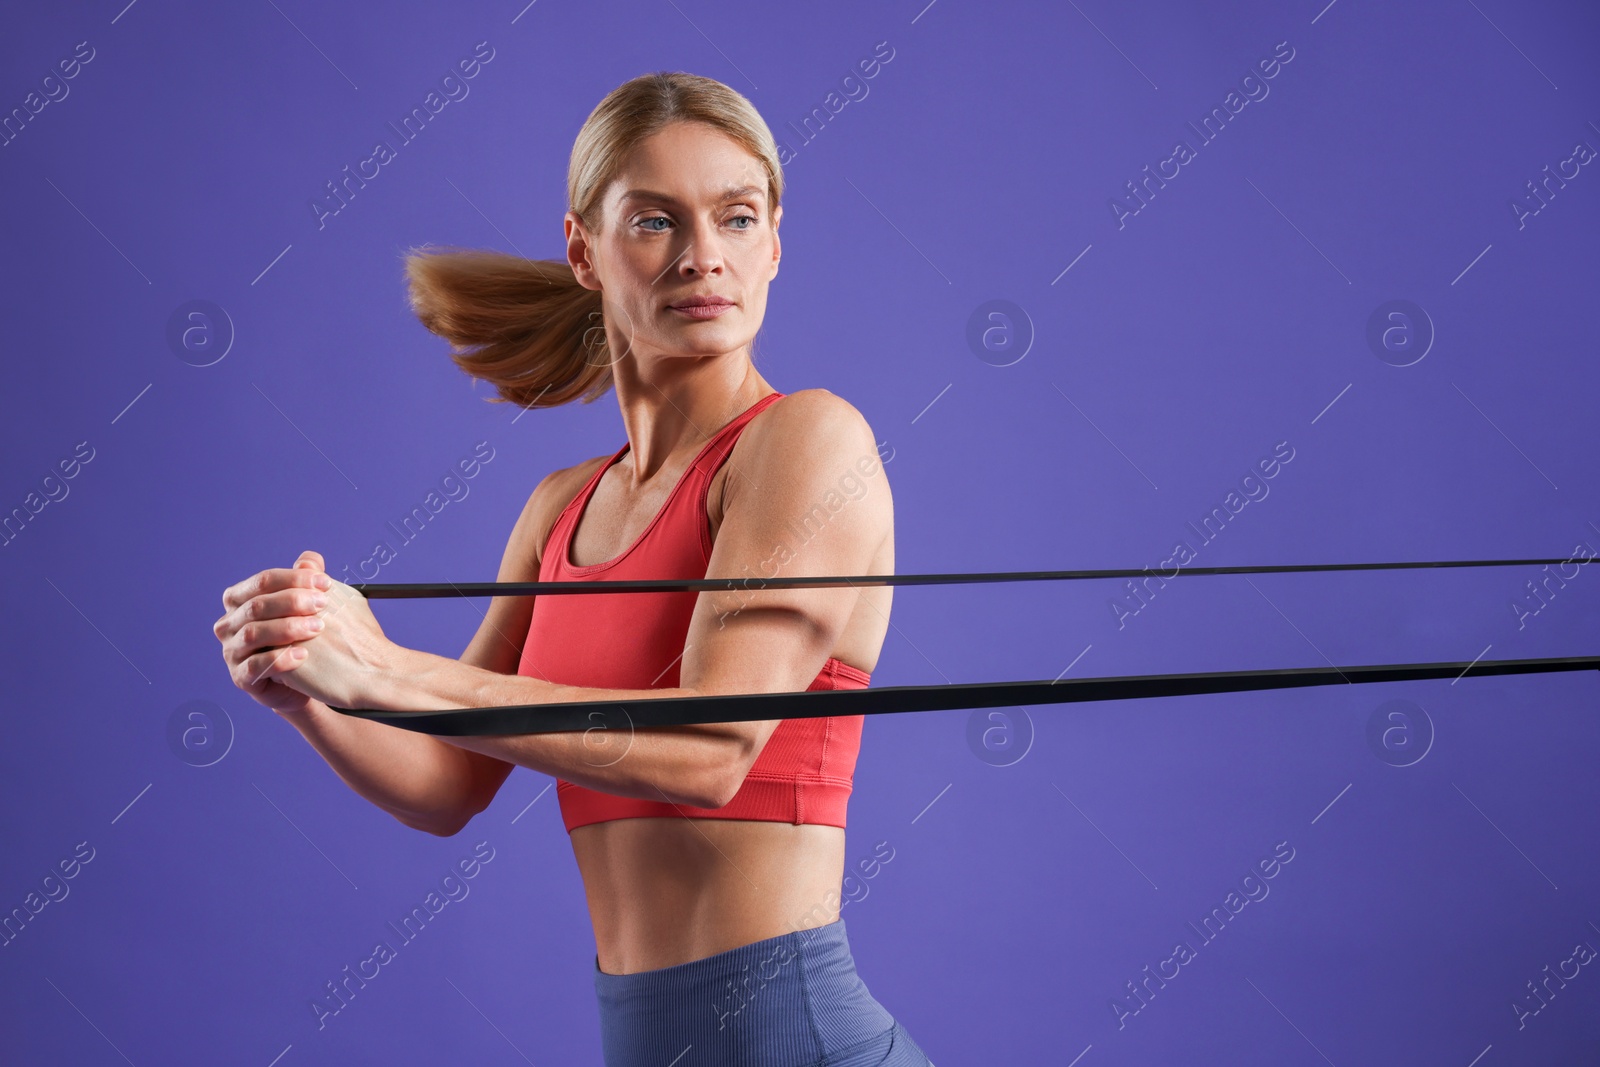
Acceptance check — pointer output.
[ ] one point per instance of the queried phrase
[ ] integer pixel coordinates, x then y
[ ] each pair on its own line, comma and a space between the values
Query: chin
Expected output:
708, 343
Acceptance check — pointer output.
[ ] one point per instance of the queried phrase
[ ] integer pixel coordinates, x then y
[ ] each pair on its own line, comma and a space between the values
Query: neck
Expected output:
676, 406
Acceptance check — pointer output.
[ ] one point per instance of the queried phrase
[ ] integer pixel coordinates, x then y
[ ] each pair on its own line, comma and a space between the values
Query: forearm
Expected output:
680, 764
412, 776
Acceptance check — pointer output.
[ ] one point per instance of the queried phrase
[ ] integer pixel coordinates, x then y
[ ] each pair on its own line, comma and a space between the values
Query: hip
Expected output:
794, 1000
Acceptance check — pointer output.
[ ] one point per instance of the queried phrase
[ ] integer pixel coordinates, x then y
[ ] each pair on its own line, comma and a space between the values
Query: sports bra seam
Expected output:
846, 666
827, 738
805, 779
808, 777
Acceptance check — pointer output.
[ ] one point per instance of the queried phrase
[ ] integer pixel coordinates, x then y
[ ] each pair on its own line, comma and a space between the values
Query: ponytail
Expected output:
525, 326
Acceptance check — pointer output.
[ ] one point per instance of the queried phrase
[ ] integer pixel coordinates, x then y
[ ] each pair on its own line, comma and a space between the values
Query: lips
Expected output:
701, 301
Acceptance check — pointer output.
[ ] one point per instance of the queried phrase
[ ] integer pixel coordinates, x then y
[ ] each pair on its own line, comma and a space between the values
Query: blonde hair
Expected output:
526, 326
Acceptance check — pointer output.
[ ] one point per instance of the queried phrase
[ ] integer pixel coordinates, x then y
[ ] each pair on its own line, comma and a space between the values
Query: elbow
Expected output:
451, 817
446, 824
722, 785
711, 799
447, 829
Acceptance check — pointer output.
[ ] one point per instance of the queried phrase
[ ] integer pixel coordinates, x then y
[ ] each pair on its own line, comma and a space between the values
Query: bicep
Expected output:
812, 500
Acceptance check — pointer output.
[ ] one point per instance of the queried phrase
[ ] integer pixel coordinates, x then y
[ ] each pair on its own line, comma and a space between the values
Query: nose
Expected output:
703, 254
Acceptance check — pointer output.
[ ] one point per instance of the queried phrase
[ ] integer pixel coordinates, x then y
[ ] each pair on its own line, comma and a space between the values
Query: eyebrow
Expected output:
741, 193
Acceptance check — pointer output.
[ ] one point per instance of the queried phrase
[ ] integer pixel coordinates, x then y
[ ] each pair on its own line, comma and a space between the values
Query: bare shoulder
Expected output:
810, 447
809, 427
817, 408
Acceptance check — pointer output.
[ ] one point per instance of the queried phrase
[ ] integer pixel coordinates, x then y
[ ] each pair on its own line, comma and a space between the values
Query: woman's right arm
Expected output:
424, 782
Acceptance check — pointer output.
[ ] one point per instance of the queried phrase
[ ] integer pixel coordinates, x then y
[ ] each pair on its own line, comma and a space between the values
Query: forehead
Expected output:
689, 162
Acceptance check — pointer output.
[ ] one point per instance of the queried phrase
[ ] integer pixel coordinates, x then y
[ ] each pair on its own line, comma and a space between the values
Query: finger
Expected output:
286, 603
269, 664
271, 581
341, 596
312, 559
254, 637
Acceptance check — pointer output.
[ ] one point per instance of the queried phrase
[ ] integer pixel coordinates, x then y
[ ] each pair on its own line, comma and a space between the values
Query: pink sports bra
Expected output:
805, 772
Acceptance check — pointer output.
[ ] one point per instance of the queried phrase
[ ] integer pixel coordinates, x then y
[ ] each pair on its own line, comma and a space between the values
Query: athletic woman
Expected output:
712, 856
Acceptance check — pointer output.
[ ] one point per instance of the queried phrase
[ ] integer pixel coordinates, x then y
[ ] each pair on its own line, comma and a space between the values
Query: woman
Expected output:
712, 855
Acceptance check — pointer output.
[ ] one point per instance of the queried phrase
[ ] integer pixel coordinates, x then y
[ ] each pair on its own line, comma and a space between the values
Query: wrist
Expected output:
400, 684
302, 716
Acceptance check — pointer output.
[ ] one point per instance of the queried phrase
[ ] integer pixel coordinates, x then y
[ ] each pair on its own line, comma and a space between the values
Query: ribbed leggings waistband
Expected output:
785, 1001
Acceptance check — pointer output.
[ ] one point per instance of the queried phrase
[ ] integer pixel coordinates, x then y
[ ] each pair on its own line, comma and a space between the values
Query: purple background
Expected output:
1228, 314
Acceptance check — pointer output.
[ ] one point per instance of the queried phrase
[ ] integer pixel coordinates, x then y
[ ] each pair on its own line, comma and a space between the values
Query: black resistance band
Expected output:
748, 707
741, 707
385, 591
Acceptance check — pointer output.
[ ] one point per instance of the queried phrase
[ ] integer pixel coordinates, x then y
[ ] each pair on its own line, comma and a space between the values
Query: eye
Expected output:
645, 222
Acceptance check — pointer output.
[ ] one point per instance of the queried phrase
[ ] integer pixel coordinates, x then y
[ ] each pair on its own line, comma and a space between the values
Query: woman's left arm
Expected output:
814, 467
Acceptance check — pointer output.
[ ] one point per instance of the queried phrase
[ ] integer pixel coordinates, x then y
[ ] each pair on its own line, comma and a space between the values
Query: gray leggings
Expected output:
793, 1000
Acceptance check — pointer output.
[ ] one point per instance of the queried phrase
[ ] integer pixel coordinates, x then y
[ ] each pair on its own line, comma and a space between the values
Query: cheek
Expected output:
756, 294
634, 278
631, 304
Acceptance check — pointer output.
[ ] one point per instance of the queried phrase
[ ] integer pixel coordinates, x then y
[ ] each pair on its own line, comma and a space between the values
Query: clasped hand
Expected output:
292, 635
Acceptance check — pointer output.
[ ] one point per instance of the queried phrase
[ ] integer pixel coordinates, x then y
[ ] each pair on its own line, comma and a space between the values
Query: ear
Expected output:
580, 249
777, 244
